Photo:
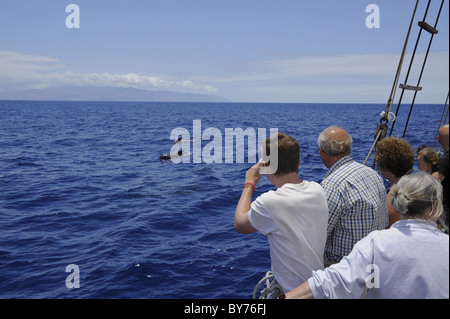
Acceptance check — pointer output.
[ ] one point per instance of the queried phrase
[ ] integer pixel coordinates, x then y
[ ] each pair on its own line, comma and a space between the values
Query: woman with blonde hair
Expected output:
427, 159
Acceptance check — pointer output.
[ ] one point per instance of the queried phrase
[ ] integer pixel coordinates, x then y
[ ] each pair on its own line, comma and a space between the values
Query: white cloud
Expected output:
336, 78
323, 66
116, 80
22, 71
15, 63
371, 64
191, 85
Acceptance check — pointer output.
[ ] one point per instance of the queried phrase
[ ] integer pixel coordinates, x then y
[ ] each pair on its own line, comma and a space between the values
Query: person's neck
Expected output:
393, 181
419, 218
291, 178
331, 160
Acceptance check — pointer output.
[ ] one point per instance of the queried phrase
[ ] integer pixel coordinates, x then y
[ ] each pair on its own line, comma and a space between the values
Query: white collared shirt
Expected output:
411, 260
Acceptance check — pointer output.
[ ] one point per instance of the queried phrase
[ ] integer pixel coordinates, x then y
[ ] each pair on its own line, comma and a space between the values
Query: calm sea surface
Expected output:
81, 184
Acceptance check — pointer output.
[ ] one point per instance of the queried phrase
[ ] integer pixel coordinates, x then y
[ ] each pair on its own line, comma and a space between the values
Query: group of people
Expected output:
395, 158
347, 234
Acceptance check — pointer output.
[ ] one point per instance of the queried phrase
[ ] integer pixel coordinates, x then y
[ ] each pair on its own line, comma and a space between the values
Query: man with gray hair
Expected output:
356, 195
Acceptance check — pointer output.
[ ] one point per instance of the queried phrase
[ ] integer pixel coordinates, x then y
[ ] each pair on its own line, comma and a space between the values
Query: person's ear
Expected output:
433, 208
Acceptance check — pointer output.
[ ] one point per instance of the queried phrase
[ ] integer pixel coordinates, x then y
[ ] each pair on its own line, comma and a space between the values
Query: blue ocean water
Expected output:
81, 183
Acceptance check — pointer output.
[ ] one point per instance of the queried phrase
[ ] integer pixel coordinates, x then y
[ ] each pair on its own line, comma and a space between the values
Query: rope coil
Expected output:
273, 289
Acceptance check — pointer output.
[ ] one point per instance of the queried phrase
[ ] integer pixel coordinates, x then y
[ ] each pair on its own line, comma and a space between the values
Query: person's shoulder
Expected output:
336, 177
313, 186
266, 197
311, 183
361, 170
343, 167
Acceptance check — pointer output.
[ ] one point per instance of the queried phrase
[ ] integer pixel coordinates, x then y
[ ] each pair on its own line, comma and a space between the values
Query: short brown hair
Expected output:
288, 152
395, 155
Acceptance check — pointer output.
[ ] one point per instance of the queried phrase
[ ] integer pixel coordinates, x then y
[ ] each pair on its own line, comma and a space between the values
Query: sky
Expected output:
287, 51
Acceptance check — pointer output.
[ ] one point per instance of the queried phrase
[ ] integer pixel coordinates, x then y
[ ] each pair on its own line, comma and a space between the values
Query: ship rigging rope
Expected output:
394, 86
399, 68
424, 62
409, 68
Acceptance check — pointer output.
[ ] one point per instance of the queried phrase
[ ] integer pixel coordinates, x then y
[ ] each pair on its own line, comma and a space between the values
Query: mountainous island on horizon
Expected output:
113, 94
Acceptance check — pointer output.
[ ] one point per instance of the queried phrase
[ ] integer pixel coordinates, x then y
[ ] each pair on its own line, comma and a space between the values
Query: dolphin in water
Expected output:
169, 157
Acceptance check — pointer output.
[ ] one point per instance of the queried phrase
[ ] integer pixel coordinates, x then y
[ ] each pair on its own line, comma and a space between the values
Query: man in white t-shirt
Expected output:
294, 217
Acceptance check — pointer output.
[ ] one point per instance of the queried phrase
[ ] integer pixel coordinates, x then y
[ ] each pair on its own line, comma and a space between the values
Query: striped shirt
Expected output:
357, 206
